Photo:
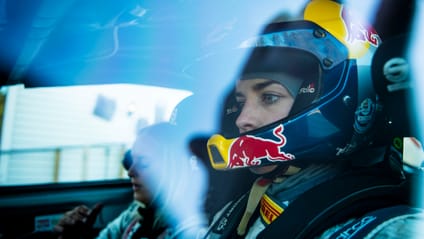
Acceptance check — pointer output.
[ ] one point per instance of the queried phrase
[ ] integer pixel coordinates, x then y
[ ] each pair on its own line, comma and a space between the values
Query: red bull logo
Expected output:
358, 31
249, 150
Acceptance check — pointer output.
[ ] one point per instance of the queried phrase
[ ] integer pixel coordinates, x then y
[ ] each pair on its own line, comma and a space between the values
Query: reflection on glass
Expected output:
75, 133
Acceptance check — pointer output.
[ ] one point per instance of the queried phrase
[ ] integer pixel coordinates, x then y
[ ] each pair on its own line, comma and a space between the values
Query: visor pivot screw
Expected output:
319, 33
347, 100
327, 62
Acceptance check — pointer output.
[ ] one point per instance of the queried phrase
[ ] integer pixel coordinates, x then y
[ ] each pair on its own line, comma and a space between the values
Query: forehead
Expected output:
144, 144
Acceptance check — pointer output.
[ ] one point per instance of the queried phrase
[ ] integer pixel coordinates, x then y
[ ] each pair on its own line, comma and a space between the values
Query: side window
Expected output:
75, 133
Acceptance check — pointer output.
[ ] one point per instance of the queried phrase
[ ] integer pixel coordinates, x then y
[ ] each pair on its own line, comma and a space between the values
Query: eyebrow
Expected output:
259, 86
262, 85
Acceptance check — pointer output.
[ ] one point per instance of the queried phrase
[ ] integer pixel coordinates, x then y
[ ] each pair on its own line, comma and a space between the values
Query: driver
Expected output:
307, 120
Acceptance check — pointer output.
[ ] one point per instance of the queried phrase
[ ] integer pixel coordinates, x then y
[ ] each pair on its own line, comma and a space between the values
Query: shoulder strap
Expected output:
226, 225
345, 197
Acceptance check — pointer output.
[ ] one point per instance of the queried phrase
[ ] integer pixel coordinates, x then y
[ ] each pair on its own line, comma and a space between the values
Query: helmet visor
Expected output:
303, 35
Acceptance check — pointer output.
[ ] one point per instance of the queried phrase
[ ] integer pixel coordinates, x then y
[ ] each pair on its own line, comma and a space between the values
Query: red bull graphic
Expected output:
249, 150
358, 31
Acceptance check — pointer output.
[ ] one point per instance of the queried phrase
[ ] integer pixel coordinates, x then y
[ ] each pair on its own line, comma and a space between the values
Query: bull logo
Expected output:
249, 150
358, 31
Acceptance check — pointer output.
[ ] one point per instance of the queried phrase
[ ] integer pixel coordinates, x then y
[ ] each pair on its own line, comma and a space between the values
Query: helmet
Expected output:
335, 109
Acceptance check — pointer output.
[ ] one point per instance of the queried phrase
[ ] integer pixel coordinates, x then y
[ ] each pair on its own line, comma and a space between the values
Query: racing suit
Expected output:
388, 222
136, 221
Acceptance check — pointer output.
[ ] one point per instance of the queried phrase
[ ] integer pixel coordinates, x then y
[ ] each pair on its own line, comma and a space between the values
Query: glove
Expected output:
78, 223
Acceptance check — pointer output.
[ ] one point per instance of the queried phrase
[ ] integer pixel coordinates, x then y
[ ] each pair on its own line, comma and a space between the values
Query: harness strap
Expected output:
347, 196
258, 189
226, 225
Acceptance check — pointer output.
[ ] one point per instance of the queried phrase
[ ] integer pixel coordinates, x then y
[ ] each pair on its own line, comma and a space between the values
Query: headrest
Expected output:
391, 76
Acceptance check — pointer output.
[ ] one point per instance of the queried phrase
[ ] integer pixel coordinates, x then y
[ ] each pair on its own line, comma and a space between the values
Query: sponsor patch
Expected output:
269, 210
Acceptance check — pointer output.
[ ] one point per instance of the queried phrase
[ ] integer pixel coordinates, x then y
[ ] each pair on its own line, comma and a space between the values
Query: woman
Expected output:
141, 219
307, 118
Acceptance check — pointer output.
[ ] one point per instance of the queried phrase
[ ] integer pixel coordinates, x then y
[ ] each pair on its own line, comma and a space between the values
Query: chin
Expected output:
142, 199
263, 169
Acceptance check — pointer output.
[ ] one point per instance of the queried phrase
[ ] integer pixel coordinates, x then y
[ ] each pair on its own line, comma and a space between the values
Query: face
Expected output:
140, 154
141, 193
261, 102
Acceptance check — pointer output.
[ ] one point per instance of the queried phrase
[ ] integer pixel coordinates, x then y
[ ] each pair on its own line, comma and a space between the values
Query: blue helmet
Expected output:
335, 109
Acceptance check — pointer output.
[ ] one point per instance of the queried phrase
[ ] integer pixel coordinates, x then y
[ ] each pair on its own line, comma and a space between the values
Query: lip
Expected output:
136, 186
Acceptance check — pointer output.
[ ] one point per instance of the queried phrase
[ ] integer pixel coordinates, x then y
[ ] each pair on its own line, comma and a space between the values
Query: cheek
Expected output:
277, 115
263, 169
285, 108
279, 112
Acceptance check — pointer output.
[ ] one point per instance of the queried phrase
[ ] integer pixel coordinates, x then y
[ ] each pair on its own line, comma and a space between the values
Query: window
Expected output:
75, 133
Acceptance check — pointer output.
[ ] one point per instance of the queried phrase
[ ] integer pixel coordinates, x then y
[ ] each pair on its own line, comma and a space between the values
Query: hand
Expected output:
78, 222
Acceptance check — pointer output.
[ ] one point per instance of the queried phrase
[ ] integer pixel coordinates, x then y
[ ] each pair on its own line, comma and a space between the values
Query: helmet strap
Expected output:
277, 172
259, 188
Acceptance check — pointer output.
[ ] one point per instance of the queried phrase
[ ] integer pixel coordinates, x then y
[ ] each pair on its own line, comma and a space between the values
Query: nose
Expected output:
132, 171
248, 118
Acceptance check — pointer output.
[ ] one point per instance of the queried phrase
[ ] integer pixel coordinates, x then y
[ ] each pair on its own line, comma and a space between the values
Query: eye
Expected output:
239, 106
269, 99
140, 162
239, 103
